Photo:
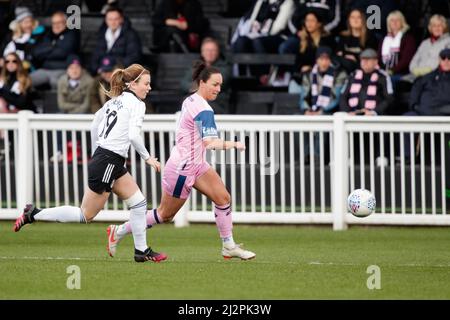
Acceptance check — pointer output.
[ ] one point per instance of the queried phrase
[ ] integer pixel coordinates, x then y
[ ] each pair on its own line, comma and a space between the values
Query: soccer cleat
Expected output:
25, 217
149, 255
237, 252
113, 239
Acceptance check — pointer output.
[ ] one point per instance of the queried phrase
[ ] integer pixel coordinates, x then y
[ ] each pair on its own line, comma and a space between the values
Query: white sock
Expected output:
61, 214
138, 207
228, 242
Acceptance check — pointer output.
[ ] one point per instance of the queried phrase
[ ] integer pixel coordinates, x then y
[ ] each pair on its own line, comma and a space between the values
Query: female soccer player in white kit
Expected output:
187, 166
116, 125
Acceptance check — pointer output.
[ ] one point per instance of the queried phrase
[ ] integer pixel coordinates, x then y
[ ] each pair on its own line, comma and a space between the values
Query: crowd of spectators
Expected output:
341, 63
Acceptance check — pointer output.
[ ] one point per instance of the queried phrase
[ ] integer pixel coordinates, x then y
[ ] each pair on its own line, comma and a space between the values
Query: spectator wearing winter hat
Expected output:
26, 32
101, 82
51, 54
73, 88
319, 90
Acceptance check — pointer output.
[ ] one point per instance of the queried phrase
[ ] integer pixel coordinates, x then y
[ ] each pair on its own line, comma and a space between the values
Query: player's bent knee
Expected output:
223, 199
137, 199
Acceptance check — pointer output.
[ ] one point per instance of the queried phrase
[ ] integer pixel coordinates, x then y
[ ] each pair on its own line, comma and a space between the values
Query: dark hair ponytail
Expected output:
201, 72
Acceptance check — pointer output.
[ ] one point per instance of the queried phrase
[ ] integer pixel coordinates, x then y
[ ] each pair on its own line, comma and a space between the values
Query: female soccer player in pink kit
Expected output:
187, 166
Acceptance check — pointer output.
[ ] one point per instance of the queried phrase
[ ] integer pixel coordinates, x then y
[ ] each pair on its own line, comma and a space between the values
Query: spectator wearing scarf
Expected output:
398, 47
369, 90
320, 88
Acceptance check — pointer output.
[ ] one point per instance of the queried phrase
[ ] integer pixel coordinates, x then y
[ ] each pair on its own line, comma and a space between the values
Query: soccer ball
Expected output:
361, 203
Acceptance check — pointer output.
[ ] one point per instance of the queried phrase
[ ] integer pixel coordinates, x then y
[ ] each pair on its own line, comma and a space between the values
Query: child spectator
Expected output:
74, 87
101, 83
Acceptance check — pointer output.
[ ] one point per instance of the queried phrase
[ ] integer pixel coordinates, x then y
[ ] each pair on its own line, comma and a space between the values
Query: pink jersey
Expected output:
196, 124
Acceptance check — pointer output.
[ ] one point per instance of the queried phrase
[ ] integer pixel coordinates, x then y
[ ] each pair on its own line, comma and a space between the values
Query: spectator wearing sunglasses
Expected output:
15, 86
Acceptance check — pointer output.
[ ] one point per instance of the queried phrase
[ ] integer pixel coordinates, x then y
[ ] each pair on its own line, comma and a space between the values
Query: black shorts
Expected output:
105, 167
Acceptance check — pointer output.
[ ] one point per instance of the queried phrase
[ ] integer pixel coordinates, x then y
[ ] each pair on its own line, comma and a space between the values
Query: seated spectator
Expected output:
368, 90
321, 88
305, 43
74, 87
116, 38
50, 55
354, 40
426, 58
319, 91
385, 6
101, 83
26, 31
328, 10
398, 46
261, 29
178, 26
15, 85
210, 54
430, 93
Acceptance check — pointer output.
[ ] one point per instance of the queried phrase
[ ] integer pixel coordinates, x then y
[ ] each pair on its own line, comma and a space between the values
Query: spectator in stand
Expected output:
385, 7
328, 10
50, 55
15, 85
116, 38
74, 87
101, 83
426, 58
398, 47
26, 31
368, 90
178, 26
73, 98
261, 30
354, 40
210, 54
320, 88
430, 93
305, 43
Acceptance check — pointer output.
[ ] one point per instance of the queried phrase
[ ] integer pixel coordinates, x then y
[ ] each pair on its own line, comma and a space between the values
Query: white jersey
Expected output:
118, 124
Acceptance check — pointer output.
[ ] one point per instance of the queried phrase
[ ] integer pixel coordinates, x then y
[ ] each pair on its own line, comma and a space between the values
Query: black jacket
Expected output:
21, 101
127, 48
430, 94
52, 52
384, 95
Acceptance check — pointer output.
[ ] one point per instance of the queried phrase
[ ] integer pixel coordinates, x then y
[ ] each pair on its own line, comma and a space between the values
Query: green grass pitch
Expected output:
292, 262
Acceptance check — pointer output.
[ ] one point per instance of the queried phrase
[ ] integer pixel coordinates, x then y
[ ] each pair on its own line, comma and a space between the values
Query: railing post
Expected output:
24, 163
339, 171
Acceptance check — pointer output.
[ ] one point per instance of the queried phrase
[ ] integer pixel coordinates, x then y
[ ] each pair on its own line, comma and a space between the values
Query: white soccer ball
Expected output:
361, 203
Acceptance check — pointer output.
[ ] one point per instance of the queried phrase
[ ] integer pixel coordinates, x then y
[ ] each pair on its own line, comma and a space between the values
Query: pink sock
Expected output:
152, 218
223, 220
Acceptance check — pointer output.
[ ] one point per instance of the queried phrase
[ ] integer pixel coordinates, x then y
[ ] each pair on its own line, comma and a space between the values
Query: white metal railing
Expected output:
296, 169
